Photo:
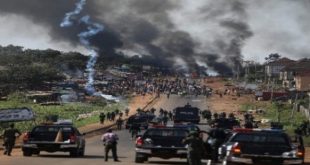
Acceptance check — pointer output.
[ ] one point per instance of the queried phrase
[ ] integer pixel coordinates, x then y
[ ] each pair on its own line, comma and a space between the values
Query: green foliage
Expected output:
99, 102
65, 111
287, 117
17, 97
31, 68
247, 106
289, 120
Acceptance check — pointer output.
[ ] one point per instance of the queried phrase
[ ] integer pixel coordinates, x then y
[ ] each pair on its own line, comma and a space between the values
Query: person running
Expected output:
9, 137
110, 143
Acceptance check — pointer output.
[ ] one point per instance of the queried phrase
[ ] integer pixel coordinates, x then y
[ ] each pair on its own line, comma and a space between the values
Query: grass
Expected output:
65, 111
289, 120
287, 116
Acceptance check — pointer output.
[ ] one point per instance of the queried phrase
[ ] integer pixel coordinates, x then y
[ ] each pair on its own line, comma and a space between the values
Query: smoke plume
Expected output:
216, 34
92, 30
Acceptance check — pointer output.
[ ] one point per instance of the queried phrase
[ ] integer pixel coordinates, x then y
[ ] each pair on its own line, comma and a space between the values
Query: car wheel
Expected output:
82, 152
139, 159
36, 152
225, 162
27, 152
74, 153
146, 158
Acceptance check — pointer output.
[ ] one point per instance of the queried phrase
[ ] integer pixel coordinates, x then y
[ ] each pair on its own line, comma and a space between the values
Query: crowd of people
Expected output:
154, 86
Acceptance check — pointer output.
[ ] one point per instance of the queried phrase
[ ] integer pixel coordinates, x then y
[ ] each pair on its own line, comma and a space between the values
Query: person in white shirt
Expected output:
110, 142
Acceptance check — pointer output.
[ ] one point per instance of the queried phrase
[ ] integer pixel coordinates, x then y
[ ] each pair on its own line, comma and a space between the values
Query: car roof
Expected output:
257, 130
162, 128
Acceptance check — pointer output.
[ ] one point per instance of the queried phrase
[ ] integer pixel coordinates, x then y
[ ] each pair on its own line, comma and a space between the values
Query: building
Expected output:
293, 72
302, 81
273, 69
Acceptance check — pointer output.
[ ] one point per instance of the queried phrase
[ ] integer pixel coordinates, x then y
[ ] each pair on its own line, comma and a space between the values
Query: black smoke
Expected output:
147, 28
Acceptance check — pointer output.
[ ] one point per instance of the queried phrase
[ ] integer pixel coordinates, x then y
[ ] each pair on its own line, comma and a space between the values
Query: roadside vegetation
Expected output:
290, 117
80, 113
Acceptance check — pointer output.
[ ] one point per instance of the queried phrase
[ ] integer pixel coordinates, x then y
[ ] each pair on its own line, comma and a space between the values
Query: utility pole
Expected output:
238, 73
254, 71
279, 105
294, 109
272, 88
309, 105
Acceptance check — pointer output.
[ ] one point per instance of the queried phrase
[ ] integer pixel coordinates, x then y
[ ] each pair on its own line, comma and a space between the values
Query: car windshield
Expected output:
52, 129
260, 138
167, 132
137, 119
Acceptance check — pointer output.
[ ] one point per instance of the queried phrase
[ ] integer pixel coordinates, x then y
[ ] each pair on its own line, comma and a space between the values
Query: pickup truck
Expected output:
52, 138
163, 142
260, 146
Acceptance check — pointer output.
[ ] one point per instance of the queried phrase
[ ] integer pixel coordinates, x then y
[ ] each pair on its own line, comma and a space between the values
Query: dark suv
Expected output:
52, 138
162, 142
186, 114
260, 146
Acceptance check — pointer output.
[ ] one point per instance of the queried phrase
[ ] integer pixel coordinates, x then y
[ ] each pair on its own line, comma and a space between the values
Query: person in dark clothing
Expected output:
195, 149
223, 121
153, 110
298, 134
109, 116
304, 128
218, 137
9, 137
102, 118
248, 124
113, 116
134, 129
215, 119
116, 111
246, 116
170, 115
207, 115
119, 123
109, 140
120, 114
126, 111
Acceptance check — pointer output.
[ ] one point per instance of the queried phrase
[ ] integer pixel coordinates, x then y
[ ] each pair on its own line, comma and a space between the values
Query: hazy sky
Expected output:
250, 28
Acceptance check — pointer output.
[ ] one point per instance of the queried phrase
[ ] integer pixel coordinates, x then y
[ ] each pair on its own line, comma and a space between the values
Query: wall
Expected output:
303, 83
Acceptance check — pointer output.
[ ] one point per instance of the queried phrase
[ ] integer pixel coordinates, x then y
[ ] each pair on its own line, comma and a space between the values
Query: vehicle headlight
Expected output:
289, 154
297, 153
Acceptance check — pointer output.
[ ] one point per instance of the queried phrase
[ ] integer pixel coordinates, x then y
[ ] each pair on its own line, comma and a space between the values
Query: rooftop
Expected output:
282, 61
298, 66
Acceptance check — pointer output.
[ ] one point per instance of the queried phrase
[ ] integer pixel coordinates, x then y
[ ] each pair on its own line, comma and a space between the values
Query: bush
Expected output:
18, 97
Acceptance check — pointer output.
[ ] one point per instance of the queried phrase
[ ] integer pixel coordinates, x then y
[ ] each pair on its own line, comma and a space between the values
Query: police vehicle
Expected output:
260, 146
186, 114
53, 137
163, 141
